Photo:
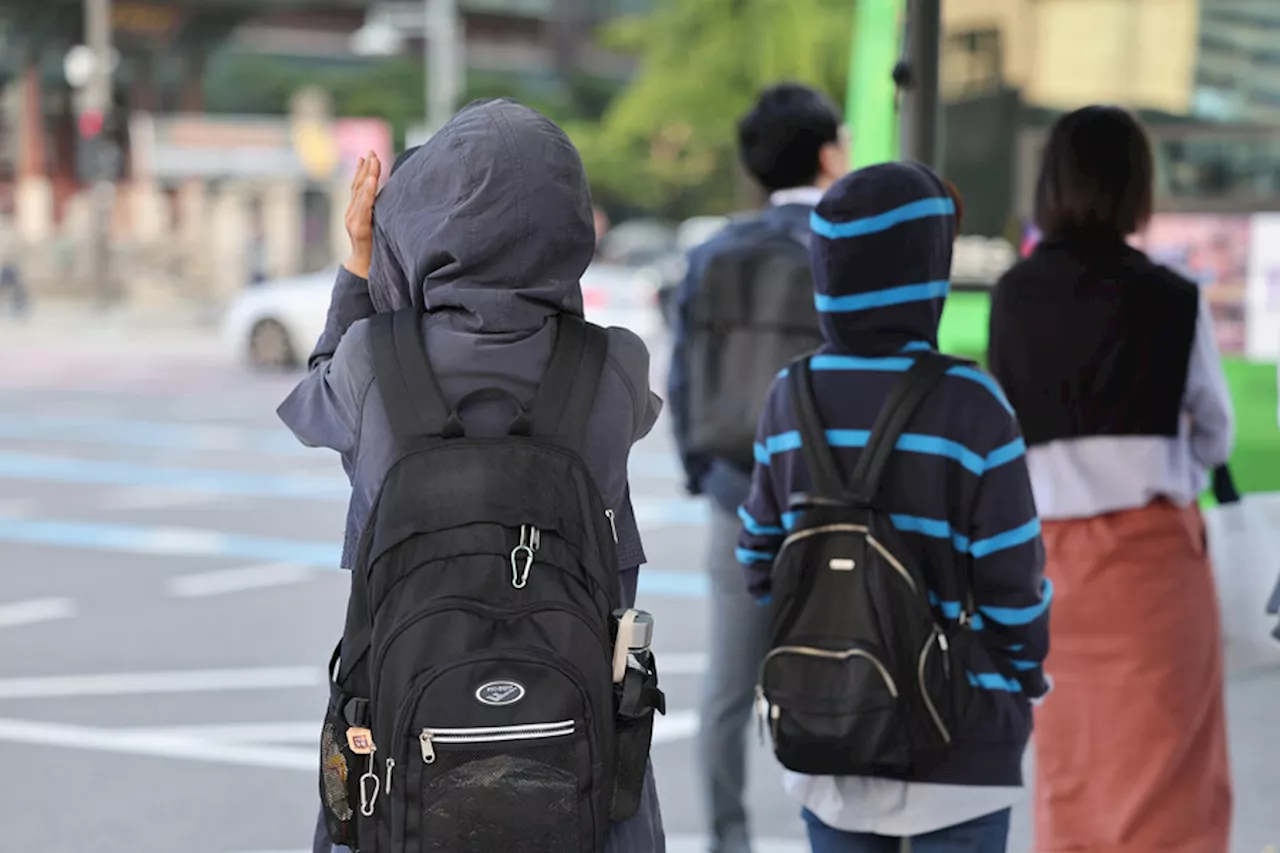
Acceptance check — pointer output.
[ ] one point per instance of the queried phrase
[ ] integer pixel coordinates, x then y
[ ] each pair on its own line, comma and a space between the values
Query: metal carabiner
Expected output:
369, 798
520, 573
530, 539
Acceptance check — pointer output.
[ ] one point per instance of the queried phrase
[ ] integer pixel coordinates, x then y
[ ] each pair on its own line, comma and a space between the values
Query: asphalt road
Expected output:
170, 596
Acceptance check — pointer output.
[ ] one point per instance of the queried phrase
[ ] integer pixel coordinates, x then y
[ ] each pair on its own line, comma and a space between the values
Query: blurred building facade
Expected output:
1065, 53
198, 201
1215, 59
1204, 75
1238, 72
210, 202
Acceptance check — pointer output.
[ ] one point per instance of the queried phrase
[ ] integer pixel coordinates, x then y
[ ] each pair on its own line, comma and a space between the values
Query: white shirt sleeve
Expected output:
1207, 398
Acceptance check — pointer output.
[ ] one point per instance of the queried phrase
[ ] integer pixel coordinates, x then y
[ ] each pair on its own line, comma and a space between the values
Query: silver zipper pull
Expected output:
391, 765
613, 524
762, 711
428, 750
369, 784
775, 713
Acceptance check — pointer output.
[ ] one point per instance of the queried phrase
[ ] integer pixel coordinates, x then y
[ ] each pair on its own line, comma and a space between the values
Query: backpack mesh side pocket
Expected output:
636, 700
336, 780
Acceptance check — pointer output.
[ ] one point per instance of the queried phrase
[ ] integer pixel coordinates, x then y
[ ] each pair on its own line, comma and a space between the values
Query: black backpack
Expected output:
862, 678
751, 314
479, 640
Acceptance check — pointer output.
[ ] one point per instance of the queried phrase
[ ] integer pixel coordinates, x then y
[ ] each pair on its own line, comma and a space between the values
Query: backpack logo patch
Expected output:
499, 693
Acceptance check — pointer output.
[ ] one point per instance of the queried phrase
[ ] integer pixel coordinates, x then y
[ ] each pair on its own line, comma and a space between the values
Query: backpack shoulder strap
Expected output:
566, 396
824, 469
415, 406
905, 398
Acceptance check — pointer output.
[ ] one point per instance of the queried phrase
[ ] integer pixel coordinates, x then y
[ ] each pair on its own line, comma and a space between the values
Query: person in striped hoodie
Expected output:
957, 488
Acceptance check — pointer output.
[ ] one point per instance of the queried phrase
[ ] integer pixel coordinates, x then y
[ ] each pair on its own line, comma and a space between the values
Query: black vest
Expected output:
1089, 337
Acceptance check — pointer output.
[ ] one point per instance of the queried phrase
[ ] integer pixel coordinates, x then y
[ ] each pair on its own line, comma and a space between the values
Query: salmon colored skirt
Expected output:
1131, 744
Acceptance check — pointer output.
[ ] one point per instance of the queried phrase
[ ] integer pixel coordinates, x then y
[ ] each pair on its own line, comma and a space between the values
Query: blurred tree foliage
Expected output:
391, 89
667, 142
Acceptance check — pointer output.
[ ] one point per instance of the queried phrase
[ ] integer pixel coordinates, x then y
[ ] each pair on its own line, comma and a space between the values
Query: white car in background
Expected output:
274, 325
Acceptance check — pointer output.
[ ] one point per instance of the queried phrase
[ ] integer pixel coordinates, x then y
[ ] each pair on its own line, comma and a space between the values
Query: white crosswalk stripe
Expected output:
34, 611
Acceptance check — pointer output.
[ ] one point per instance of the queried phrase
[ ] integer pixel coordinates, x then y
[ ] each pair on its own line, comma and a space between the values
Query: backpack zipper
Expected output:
941, 641
852, 528
809, 651
491, 734
613, 524
420, 682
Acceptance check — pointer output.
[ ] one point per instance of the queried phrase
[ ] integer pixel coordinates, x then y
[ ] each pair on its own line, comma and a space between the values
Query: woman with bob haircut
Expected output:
1110, 362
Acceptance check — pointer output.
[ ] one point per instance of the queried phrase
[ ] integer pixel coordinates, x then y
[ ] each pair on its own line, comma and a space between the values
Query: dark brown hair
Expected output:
1097, 174
958, 200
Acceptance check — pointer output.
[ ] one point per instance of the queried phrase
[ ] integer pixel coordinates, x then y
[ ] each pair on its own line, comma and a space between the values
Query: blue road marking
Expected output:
222, 483
203, 438
166, 541
210, 481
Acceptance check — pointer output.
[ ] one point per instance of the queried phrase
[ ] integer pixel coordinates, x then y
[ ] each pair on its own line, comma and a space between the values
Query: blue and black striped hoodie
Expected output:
958, 487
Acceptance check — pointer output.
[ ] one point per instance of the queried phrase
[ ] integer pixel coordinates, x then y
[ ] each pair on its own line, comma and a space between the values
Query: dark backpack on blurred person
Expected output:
861, 678
750, 315
478, 659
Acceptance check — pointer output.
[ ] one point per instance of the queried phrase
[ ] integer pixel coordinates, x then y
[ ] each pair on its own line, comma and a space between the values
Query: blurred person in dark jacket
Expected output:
12, 286
793, 145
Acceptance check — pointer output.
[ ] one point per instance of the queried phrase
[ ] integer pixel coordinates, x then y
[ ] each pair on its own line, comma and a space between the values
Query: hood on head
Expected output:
491, 218
881, 251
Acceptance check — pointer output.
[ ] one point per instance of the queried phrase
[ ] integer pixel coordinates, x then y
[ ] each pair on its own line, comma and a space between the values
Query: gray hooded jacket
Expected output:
487, 229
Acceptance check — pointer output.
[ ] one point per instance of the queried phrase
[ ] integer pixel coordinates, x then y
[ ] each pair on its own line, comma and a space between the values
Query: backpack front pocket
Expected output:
492, 788
833, 708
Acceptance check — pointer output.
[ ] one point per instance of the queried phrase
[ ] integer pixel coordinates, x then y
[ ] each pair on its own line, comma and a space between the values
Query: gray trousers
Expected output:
738, 640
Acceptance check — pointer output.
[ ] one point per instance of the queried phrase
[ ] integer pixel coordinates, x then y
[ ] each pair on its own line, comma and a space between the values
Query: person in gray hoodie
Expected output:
486, 229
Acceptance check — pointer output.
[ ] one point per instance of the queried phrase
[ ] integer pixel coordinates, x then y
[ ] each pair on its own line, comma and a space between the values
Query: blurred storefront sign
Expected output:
1212, 250
191, 147
979, 261
151, 20
1262, 295
1235, 258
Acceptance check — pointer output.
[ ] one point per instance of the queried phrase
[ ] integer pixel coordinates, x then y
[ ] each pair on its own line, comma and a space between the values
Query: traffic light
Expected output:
90, 124
98, 147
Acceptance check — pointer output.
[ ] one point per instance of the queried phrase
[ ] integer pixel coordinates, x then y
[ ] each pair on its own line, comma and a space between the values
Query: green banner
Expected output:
871, 111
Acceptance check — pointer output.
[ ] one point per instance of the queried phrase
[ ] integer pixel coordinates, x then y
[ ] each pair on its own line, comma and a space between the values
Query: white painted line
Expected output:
133, 683
35, 610
307, 731
675, 725
15, 508
699, 844
149, 497
204, 744
161, 746
681, 663
688, 844
238, 580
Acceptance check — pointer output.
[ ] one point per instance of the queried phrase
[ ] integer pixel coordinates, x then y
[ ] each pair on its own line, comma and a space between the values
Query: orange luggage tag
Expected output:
360, 741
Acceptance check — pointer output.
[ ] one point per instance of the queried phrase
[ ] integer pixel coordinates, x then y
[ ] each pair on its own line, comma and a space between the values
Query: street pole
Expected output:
443, 61
98, 97
920, 133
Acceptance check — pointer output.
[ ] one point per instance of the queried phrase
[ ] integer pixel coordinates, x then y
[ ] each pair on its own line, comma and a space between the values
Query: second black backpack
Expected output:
751, 314
863, 677
477, 662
